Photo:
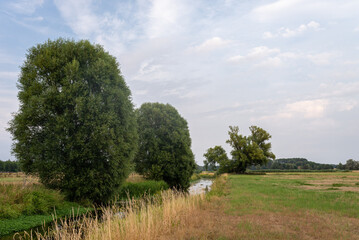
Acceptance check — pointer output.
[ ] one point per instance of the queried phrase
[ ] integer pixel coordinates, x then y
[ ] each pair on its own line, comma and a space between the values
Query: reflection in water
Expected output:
201, 186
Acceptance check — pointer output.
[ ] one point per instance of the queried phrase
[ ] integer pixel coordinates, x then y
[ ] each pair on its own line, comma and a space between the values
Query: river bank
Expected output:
35, 223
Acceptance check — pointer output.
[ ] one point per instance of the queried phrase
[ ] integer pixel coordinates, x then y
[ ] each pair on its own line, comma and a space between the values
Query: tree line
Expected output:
349, 165
78, 130
9, 166
294, 163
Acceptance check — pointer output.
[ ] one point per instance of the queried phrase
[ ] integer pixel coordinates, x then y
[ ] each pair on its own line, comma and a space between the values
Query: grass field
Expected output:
283, 206
272, 206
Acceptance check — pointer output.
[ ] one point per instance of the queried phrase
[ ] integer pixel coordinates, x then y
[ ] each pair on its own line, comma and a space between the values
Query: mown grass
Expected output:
275, 194
291, 206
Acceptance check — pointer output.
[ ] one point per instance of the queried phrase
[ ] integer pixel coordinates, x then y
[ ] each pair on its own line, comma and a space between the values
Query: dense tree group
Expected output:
246, 151
349, 165
294, 163
9, 166
76, 125
164, 146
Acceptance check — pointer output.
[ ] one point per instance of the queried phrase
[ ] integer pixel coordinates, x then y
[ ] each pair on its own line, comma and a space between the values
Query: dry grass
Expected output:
135, 178
166, 213
18, 179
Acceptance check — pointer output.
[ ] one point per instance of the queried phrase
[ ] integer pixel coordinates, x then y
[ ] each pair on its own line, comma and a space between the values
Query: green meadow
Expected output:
293, 206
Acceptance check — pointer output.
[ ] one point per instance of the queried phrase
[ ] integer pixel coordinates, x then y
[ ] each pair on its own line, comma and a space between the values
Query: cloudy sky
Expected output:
288, 66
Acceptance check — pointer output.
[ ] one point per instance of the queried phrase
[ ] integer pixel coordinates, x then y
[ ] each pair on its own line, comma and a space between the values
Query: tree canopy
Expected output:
249, 150
164, 146
215, 157
76, 126
246, 151
9, 166
349, 165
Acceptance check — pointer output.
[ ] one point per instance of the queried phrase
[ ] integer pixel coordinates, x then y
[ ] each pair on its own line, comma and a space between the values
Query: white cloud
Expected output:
287, 32
255, 54
307, 108
211, 44
165, 17
271, 62
292, 9
340, 89
324, 58
26, 6
261, 56
79, 16
151, 72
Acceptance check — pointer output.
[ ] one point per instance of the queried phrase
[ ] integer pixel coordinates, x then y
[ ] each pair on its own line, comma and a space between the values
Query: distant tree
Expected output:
199, 168
352, 165
76, 126
9, 166
249, 150
165, 145
205, 162
215, 157
340, 166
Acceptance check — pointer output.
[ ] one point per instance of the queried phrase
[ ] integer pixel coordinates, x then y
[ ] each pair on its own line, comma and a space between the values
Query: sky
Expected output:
288, 66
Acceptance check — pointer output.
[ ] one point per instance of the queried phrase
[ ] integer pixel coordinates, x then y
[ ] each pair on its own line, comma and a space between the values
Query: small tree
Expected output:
165, 145
251, 150
216, 156
76, 126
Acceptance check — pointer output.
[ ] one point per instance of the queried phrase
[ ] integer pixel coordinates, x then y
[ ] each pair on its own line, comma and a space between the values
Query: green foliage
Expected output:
297, 163
9, 166
247, 150
165, 145
16, 200
25, 222
349, 165
76, 126
216, 156
140, 189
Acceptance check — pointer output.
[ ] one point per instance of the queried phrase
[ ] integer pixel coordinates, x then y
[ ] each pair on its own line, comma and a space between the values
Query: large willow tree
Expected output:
75, 127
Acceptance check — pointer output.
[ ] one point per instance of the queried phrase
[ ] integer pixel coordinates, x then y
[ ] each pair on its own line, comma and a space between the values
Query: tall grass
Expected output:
137, 220
140, 189
16, 200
